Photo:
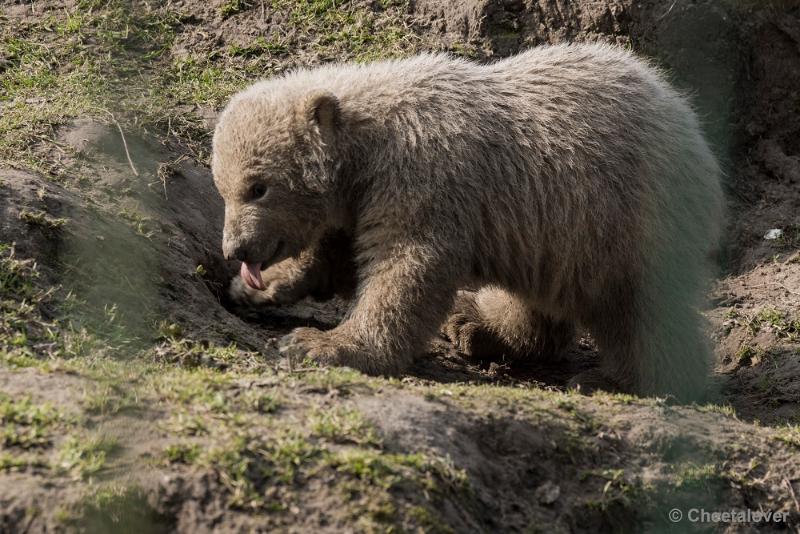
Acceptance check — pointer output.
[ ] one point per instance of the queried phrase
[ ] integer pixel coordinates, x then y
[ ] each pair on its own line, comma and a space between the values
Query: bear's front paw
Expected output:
246, 301
314, 344
284, 283
337, 347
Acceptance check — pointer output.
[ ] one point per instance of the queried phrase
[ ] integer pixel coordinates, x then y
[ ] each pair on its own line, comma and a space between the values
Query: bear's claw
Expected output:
311, 343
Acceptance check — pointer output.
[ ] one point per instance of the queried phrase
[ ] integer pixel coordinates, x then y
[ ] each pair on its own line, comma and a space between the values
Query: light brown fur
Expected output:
572, 182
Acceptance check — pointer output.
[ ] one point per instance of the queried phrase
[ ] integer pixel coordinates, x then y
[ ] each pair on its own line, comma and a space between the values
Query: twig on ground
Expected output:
124, 141
125, 145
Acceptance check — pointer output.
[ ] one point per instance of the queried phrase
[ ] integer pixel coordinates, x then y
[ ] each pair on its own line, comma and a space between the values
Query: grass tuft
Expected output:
85, 455
27, 424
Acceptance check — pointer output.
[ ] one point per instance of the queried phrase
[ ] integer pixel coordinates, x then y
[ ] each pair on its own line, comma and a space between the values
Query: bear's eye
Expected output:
258, 191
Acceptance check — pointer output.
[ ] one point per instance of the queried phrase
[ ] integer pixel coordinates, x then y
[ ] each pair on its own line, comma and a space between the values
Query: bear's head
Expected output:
274, 160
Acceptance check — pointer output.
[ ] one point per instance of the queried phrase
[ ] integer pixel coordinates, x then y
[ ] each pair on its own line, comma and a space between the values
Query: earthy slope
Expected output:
132, 398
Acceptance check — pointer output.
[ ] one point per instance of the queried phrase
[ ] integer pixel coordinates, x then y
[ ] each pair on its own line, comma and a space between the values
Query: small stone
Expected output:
775, 233
547, 493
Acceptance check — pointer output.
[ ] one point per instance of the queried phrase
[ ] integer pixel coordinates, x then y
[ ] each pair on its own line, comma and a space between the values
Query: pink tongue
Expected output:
251, 274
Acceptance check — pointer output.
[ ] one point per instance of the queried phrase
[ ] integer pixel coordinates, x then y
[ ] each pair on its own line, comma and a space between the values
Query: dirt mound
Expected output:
140, 242
543, 470
502, 28
132, 394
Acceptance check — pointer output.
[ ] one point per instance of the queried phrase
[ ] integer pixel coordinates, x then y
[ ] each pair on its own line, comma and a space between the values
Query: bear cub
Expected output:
571, 183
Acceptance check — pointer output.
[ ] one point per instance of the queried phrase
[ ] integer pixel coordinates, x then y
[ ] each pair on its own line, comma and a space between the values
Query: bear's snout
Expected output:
251, 250
234, 249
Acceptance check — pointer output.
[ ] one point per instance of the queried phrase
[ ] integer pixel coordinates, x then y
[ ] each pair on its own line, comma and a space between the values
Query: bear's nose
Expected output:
234, 251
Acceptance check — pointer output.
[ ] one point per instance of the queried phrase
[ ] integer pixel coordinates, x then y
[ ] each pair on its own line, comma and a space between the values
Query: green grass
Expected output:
141, 224
693, 475
232, 7
17, 462
22, 326
182, 453
45, 85
83, 456
341, 425
108, 398
71, 64
247, 465
27, 337
724, 409
42, 219
27, 424
262, 403
789, 434
376, 475
111, 508
339, 31
104, 56
385, 470
263, 472
15, 275
746, 354
191, 354
783, 325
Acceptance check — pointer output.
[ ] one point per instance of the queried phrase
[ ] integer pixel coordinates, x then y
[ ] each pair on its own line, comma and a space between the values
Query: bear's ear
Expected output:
322, 111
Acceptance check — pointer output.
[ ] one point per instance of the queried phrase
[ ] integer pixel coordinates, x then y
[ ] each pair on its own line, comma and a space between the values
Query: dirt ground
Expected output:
134, 398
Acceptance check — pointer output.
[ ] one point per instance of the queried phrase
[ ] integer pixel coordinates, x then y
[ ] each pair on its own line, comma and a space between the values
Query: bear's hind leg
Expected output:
493, 324
657, 351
